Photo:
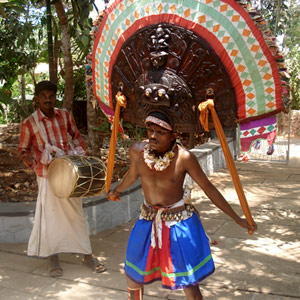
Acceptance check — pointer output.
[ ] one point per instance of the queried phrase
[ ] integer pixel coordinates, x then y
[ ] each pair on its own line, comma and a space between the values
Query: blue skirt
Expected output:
184, 258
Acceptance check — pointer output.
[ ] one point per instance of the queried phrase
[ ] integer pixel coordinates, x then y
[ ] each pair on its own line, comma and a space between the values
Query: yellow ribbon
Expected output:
121, 102
203, 108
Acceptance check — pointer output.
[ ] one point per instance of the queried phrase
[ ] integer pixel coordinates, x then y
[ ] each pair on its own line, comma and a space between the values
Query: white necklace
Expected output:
158, 163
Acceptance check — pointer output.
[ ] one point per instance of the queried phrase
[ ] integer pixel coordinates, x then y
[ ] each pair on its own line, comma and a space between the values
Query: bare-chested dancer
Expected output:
168, 242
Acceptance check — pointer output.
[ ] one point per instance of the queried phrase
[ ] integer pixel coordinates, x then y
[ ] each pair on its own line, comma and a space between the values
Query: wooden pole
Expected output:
229, 160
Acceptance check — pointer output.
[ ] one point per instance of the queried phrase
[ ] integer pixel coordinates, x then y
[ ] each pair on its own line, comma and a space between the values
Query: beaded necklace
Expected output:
158, 163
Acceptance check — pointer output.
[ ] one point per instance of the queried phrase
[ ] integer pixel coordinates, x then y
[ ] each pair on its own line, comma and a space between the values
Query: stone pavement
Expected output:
263, 266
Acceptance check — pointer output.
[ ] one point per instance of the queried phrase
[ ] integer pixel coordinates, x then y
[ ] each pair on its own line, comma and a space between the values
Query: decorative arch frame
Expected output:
224, 24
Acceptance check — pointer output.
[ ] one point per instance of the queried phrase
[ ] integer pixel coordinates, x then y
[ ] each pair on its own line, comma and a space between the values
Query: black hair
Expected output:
161, 116
45, 85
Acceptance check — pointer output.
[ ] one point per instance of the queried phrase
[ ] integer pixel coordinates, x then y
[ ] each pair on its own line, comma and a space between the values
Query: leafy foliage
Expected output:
269, 10
23, 39
288, 29
14, 112
292, 30
16, 41
19, 52
135, 132
294, 68
80, 25
292, 44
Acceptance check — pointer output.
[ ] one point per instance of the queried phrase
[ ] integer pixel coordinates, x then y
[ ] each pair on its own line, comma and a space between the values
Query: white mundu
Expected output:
60, 225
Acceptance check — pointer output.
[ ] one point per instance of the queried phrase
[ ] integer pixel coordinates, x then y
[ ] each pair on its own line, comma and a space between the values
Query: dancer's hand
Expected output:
113, 195
251, 228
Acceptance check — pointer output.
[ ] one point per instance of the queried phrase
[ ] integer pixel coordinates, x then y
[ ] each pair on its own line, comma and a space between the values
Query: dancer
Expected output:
168, 242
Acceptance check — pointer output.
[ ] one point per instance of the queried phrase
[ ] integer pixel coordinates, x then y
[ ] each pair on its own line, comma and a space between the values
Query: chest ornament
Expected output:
158, 163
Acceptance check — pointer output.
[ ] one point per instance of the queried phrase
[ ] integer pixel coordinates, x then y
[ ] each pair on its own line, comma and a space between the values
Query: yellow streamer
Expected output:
203, 108
204, 114
121, 102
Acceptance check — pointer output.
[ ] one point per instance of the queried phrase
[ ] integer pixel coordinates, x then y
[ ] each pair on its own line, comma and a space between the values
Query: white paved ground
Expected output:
263, 266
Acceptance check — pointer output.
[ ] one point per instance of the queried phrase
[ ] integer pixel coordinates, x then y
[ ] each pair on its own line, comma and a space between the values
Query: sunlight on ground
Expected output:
77, 291
276, 248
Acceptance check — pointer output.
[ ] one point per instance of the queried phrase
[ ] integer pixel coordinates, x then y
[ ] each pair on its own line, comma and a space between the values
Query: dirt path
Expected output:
17, 183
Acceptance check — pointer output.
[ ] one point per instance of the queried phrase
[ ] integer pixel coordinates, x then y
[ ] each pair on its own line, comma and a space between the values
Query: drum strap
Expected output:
41, 128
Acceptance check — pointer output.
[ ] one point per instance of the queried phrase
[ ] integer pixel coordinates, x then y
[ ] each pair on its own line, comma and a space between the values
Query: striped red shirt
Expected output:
61, 132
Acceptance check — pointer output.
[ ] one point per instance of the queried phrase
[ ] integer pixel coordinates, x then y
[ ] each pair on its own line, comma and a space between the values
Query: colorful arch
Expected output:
225, 25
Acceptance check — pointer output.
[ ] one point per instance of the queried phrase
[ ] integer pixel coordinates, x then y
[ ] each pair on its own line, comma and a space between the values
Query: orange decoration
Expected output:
121, 101
203, 108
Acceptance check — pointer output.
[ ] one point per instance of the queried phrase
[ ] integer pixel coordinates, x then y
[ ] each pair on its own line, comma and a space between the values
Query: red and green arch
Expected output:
225, 25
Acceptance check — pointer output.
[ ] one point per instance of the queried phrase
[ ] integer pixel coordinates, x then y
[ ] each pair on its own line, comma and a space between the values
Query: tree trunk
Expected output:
56, 46
68, 62
52, 73
277, 17
91, 113
23, 95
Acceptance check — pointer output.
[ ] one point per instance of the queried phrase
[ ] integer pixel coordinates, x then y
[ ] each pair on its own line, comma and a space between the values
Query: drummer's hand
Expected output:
27, 159
113, 195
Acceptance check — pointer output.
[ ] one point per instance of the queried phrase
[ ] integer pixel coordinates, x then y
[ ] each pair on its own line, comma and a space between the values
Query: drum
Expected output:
77, 176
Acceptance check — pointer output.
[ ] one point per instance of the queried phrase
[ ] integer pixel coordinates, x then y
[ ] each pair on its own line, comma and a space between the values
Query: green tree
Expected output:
23, 37
19, 52
294, 69
72, 27
276, 13
292, 47
284, 20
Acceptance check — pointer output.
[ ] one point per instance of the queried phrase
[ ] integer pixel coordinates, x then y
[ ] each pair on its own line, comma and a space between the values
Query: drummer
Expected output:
59, 225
